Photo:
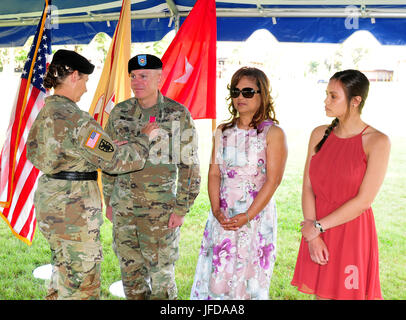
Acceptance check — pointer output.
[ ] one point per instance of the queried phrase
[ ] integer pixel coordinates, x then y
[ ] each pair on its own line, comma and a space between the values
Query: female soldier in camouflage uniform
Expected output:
68, 146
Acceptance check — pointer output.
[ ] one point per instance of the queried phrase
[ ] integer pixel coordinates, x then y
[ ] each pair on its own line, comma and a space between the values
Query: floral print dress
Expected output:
238, 264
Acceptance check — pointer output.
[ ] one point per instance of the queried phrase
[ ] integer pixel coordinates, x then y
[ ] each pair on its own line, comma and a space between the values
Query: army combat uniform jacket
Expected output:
65, 138
170, 179
143, 201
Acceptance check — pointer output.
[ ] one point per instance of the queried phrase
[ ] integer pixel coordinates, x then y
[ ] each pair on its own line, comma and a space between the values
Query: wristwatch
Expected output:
318, 226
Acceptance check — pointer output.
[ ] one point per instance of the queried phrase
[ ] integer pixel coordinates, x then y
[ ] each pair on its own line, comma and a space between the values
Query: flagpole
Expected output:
8, 203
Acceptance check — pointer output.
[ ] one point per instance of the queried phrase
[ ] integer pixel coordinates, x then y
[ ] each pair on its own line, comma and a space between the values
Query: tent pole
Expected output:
174, 13
9, 20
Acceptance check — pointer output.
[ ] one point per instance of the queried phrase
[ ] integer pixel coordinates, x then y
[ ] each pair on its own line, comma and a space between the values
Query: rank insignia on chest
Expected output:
106, 146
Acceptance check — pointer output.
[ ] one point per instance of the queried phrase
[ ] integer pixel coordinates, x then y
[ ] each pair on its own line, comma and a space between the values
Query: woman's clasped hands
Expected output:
317, 248
231, 224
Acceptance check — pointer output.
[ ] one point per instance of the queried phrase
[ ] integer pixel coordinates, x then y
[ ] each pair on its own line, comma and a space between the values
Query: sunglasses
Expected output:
246, 92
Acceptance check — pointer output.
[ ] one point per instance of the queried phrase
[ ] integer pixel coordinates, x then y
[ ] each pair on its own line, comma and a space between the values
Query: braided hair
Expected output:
354, 83
326, 134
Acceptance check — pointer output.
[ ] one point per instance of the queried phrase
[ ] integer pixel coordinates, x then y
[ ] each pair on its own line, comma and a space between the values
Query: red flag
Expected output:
18, 177
189, 64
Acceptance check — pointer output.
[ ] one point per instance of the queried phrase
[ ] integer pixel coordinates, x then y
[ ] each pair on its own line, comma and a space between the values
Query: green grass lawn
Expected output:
17, 260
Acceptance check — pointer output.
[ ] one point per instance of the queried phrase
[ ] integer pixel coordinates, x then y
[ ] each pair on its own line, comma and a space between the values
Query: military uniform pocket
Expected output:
169, 245
149, 233
50, 201
91, 211
90, 251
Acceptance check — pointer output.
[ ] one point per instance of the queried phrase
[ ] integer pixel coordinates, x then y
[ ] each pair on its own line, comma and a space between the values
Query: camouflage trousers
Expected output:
71, 225
73, 279
147, 251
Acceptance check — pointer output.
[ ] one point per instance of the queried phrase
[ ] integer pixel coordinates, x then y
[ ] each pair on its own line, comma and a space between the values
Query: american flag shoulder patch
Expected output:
93, 139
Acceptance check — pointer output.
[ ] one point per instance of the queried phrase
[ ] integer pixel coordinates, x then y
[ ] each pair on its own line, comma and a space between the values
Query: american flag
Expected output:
18, 177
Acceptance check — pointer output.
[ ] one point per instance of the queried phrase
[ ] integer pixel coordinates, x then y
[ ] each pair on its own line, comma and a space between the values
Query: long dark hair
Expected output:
266, 110
354, 83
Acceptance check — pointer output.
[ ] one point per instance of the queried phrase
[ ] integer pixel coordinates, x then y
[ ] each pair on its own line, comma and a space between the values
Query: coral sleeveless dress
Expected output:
238, 265
352, 271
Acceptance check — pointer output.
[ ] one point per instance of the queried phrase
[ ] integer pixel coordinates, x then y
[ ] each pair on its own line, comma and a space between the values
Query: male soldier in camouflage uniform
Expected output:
68, 146
149, 205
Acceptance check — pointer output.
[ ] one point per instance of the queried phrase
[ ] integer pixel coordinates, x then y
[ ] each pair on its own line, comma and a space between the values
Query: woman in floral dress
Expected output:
238, 249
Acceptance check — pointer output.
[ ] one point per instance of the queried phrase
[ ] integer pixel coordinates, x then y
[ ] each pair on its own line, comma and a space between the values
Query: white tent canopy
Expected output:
76, 22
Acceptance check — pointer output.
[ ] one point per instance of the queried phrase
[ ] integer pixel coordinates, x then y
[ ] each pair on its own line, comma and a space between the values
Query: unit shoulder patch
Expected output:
106, 146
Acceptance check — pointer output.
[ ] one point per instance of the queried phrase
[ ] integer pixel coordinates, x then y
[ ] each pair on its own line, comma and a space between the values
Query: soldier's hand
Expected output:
175, 221
149, 130
109, 213
120, 143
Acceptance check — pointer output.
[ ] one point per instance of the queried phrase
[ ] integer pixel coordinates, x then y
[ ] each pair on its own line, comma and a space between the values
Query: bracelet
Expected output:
318, 226
248, 220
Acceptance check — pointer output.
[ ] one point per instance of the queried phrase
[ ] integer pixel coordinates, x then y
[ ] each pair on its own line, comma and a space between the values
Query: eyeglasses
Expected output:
246, 92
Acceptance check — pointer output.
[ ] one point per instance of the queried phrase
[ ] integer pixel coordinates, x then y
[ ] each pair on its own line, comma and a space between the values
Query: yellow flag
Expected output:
114, 84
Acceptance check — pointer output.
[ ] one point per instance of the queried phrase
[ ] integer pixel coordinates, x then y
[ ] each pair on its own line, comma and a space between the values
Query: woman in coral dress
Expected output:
238, 249
345, 167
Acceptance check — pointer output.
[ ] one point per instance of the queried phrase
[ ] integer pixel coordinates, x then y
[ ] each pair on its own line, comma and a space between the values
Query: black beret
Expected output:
144, 61
74, 60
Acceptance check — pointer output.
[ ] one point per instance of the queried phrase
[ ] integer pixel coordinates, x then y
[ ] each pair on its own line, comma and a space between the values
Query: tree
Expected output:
102, 43
313, 66
4, 57
358, 54
20, 57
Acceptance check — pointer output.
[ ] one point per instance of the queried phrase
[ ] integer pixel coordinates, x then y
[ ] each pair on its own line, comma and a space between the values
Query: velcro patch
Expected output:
106, 146
93, 139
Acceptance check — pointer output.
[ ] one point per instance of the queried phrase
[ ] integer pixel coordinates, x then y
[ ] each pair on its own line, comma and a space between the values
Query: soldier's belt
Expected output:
74, 176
